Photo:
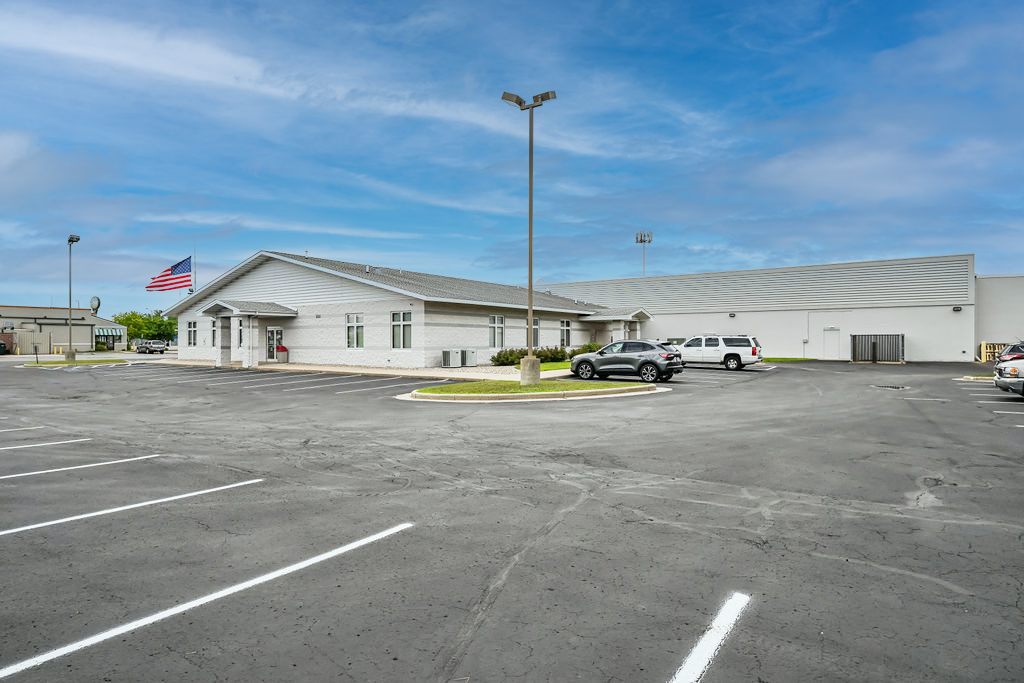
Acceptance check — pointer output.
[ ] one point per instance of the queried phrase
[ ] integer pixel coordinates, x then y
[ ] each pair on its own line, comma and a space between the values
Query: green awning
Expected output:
108, 332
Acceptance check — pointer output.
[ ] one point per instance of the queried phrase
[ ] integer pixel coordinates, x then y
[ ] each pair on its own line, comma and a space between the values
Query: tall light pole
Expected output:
70, 355
644, 238
529, 367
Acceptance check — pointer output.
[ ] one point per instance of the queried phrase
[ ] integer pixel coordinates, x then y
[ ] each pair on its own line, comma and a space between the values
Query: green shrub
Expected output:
586, 348
508, 357
553, 354
101, 346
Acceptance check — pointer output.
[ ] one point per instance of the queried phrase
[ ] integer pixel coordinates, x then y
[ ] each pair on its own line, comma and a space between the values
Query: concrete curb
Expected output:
537, 396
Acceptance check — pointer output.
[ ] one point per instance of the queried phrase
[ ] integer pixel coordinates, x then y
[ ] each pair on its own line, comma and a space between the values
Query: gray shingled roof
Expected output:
443, 287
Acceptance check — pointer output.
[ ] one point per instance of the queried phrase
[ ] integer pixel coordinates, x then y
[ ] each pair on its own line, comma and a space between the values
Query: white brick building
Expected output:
333, 312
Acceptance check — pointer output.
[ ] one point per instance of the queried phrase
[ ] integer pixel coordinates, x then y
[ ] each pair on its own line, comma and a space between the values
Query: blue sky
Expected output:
742, 134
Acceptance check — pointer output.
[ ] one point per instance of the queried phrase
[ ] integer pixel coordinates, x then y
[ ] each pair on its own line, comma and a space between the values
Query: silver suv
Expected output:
650, 360
150, 346
734, 351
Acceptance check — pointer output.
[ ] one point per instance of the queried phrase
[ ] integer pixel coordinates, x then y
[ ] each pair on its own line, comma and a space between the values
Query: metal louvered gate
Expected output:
877, 348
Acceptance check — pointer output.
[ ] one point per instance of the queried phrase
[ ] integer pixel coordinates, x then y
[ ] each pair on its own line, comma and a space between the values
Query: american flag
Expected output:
177, 276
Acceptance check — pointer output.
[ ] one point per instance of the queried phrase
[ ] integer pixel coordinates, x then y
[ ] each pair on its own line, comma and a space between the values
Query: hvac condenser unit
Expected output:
451, 358
469, 358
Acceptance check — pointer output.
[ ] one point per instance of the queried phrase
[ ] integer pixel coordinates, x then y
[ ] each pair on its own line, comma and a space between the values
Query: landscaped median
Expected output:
501, 390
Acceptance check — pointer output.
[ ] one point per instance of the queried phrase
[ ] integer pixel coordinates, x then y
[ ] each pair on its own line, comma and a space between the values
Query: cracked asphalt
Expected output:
878, 531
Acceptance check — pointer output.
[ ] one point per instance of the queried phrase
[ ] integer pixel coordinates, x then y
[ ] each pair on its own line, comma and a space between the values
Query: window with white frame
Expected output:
566, 337
192, 333
213, 333
496, 324
239, 333
401, 330
354, 328
536, 332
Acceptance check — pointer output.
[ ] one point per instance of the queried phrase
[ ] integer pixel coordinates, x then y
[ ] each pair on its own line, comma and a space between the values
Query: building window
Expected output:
496, 324
213, 333
192, 333
354, 326
239, 333
566, 338
401, 330
536, 332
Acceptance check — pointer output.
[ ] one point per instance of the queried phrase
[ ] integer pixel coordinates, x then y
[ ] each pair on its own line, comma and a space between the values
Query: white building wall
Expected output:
453, 326
810, 312
932, 333
1000, 316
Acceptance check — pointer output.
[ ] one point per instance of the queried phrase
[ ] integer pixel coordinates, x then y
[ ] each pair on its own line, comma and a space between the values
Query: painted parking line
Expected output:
79, 467
905, 398
699, 659
1008, 412
292, 381
178, 609
177, 373
338, 384
37, 445
1008, 400
277, 375
994, 392
20, 429
390, 386
65, 520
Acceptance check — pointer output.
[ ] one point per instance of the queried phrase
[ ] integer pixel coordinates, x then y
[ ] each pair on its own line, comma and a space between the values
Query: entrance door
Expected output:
275, 337
830, 343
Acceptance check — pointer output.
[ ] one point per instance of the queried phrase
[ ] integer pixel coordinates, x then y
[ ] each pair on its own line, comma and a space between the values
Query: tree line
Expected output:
148, 325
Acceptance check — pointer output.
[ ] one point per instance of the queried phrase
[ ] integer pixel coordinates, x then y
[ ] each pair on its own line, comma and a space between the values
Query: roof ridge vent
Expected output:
367, 268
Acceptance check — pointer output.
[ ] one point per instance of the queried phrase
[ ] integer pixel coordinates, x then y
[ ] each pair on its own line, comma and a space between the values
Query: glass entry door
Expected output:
275, 337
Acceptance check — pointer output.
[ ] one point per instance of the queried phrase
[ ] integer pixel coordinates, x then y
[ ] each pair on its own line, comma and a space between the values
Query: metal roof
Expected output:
437, 288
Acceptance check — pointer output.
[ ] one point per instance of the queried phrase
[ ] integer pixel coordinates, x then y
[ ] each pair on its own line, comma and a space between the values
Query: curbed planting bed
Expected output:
511, 391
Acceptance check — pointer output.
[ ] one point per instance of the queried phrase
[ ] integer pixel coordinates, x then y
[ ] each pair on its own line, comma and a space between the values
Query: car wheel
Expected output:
648, 372
585, 370
733, 363
161, 352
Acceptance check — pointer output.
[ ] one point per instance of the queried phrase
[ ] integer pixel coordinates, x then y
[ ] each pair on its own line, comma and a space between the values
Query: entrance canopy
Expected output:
266, 309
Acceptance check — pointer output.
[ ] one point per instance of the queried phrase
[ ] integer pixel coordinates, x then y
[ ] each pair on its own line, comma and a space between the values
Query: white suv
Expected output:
734, 351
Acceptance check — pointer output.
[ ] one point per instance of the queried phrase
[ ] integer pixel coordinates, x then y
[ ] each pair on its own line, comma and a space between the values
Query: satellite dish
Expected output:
94, 304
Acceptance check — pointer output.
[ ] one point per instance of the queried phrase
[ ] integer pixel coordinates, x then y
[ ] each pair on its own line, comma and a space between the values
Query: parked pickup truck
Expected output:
734, 351
150, 346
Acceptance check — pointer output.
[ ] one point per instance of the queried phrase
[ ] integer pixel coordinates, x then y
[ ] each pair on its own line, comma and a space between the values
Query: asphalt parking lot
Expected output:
170, 523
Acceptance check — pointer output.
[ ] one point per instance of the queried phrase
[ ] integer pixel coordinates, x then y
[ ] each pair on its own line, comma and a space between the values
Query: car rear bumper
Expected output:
1011, 384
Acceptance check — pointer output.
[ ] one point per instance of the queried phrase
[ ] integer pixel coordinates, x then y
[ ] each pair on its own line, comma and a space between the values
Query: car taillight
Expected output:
667, 355
753, 351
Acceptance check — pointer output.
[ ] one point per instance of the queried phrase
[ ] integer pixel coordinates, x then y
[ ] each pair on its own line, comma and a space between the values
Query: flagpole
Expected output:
195, 268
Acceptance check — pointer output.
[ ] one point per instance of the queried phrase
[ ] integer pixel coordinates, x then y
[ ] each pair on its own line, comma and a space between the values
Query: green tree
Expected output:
148, 325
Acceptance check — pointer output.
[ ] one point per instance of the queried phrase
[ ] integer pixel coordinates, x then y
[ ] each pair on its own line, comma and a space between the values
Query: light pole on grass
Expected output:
70, 355
529, 372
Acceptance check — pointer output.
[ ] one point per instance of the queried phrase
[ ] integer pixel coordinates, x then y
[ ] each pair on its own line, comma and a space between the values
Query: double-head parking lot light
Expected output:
530, 366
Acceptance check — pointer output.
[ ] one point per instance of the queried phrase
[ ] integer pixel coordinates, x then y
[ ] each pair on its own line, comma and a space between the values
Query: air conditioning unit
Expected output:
451, 358
469, 358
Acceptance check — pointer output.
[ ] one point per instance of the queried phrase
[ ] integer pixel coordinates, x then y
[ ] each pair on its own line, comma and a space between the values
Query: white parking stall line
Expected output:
391, 386
906, 398
87, 515
291, 381
37, 445
178, 609
20, 429
177, 373
277, 375
1008, 412
79, 467
338, 384
1007, 400
700, 657
994, 392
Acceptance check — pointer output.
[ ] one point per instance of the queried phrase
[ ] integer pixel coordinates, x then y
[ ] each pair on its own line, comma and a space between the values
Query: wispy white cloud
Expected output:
243, 222
135, 47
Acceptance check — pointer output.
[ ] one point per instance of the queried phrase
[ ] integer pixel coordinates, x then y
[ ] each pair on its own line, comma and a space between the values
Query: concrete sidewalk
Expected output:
482, 372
